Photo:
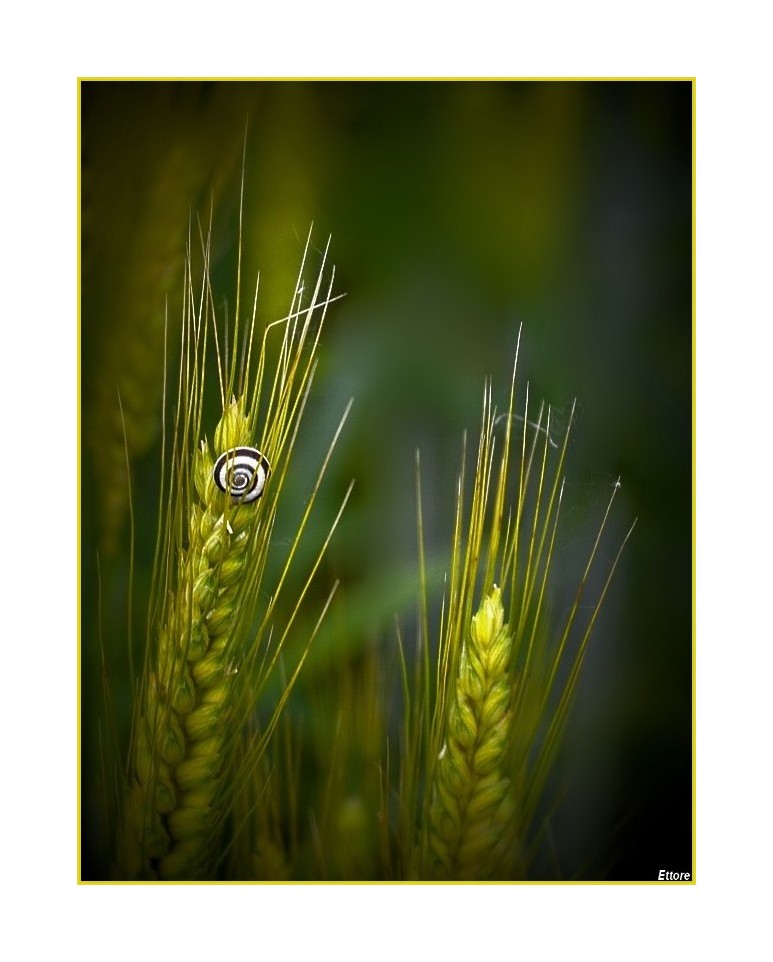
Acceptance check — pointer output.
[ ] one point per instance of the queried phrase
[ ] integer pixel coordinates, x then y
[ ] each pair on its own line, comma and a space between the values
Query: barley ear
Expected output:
174, 803
471, 811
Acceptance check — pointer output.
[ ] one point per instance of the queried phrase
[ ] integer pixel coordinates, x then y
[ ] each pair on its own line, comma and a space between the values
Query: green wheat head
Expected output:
470, 816
486, 708
195, 778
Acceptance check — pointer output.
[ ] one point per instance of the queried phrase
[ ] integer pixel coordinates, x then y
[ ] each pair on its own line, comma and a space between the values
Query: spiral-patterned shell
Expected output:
242, 473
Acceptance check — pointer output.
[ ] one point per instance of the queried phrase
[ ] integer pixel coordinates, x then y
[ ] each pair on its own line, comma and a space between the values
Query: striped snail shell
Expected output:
242, 473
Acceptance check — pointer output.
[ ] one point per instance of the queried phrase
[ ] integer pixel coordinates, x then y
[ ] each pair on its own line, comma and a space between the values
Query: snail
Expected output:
242, 473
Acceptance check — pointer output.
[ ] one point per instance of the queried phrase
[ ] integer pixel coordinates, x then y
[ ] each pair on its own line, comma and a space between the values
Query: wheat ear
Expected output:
471, 811
210, 622
484, 738
179, 742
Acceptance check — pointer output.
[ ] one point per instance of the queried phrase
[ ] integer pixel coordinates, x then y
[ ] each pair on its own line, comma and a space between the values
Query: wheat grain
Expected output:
471, 812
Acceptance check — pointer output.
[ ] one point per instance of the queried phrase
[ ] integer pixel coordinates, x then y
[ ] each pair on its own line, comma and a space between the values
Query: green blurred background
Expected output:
458, 211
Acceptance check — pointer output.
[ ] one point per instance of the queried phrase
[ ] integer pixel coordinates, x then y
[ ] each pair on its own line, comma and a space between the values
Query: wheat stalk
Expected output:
181, 732
484, 723
208, 654
470, 818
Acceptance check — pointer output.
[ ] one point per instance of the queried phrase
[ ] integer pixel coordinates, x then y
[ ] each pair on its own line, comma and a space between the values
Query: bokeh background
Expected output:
460, 212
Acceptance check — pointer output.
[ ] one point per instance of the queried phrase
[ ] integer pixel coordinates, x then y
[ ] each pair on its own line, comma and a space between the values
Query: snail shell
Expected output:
242, 473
